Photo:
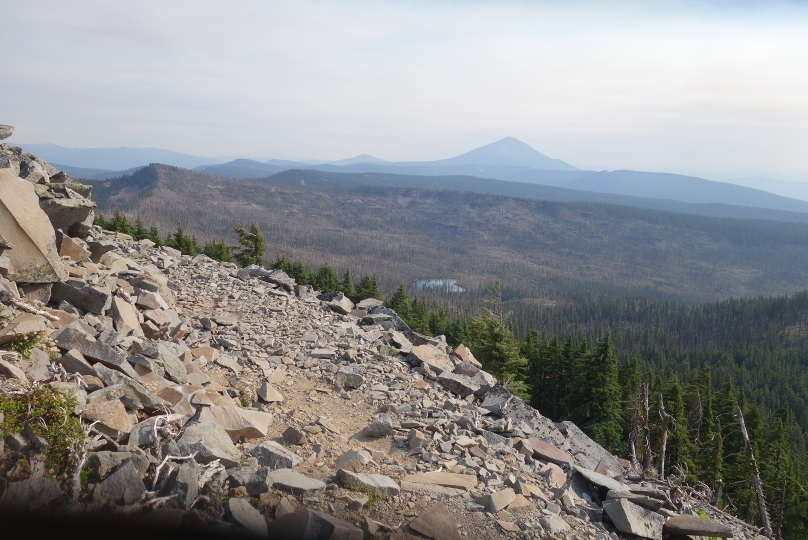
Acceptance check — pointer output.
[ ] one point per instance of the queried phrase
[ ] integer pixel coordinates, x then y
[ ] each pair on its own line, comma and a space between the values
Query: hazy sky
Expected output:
696, 86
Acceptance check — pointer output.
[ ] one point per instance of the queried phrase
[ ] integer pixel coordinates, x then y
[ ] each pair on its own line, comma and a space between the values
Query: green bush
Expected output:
50, 415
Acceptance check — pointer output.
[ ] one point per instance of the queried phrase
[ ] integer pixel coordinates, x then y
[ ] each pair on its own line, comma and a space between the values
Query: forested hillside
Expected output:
539, 249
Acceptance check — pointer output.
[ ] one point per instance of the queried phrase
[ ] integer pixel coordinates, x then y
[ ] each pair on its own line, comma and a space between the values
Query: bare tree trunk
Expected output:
764, 514
666, 419
646, 462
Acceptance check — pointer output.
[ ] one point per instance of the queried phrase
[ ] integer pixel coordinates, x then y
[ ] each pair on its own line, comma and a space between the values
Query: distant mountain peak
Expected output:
508, 151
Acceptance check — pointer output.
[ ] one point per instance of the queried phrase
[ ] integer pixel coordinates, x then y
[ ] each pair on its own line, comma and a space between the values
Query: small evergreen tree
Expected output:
253, 245
139, 232
346, 286
218, 251
595, 404
400, 303
326, 280
368, 288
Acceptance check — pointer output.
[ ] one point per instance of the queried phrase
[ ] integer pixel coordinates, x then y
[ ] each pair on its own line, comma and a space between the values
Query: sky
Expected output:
710, 88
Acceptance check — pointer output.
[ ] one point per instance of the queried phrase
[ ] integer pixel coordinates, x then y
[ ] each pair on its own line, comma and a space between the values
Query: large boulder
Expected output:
210, 441
6, 131
34, 258
437, 360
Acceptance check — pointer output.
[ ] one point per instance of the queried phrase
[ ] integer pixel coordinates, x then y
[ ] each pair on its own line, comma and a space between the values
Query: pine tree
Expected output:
282, 262
679, 447
494, 345
299, 273
120, 224
400, 303
154, 236
368, 288
326, 280
346, 286
595, 404
253, 242
140, 232
219, 251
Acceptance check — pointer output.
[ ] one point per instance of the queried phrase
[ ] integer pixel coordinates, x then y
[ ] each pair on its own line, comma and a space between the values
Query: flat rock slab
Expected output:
307, 524
110, 414
26, 226
494, 502
551, 453
73, 338
295, 483
22, 324
238, 423
433, 490
242, 513
600, 479
436, 523
381, 485
273, 455
124, 486
445, 479
211, 442
692, 525
461, 385
437, 360
30, 494
353, 460
634, 519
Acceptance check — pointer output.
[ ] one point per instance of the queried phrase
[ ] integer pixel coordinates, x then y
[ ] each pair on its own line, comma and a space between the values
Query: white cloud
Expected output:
617, 85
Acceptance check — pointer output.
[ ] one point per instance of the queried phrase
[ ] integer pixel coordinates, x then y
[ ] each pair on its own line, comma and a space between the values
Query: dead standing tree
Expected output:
764, 514
667, 420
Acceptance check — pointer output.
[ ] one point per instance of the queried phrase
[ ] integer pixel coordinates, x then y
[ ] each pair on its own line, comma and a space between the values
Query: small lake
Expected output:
448, 285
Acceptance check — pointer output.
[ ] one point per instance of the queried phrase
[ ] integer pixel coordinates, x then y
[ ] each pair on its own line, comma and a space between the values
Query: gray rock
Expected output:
111, 415
100, 247
437, 360
353, 460
436, 523
554, 524
382, 426
167, 355
600, 479
494, 502
292, 435
104, 462
139, 397
295, 483
63, 213
242, 513
239, 423
34, 258
461, 385
276, 277
29, 494
349, 377
307, 524
341, 304
124, 486
86, 297
587, 452
73, 338
211, 442
269, 393
6, 131
185, 485
271, 454
634, 519
381, 485
695, 526
74, 362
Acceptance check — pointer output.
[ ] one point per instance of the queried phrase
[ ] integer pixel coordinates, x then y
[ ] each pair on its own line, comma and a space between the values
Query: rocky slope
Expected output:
231, 401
